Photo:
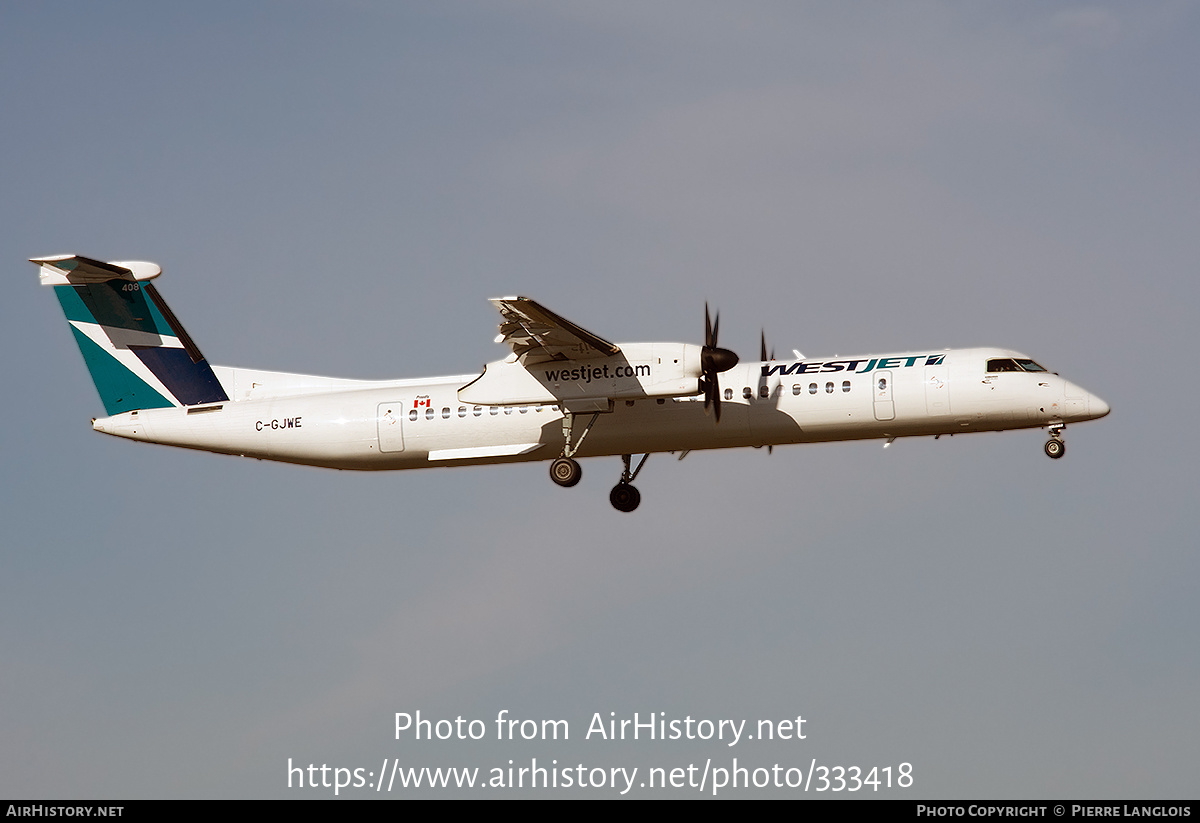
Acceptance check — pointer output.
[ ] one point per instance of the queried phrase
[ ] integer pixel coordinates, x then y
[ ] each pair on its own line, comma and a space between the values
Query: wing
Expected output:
538, 335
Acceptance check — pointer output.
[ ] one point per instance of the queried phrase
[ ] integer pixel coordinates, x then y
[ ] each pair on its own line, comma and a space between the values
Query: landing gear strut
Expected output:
1055, 447
565, 471
624, 496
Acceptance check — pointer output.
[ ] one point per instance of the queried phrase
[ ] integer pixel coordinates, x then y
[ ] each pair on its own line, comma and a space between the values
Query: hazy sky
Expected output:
337, 188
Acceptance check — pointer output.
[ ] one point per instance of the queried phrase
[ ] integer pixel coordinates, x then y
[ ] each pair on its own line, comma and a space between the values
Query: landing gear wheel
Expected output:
565, 472
1055, 448
624, 497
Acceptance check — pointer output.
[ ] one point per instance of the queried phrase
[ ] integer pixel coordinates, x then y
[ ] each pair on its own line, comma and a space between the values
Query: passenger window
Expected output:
429, 413
493, 410
763, 391
524, 409
729, 394
478, 410
797, 388
845, 385
883, 384
812, 388
462, 411
446, 413
829, 388
412, 414
747, 394
508, 409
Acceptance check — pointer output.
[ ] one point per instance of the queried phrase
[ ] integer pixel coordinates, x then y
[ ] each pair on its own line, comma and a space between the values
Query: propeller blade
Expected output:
712, 398
763, 348
713, 361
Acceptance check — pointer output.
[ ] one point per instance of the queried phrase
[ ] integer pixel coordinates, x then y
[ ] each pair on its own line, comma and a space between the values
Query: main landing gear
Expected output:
624, 496
1055, 447
565, 471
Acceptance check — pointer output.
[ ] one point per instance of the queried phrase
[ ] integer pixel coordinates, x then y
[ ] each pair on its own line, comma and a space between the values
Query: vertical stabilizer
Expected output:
139, 355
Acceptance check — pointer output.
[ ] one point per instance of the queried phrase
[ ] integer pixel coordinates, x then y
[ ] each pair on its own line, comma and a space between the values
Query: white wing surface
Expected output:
538, 335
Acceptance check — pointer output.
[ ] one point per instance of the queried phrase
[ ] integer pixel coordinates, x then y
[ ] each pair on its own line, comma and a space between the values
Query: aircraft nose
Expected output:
1097, 407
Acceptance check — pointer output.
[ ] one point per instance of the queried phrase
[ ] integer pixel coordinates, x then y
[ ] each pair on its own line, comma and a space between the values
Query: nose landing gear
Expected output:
1055, 447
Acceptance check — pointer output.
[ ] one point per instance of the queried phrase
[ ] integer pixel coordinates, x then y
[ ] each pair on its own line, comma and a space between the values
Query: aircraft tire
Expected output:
1055, 448
624, 497
565, 472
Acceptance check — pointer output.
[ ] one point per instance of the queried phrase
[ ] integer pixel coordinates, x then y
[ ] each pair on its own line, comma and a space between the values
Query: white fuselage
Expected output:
411, 424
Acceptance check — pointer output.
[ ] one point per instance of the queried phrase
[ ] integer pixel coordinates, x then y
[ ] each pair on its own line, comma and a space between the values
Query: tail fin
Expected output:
139, 355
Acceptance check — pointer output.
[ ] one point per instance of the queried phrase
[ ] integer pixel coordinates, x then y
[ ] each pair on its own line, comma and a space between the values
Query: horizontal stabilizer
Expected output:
74, 270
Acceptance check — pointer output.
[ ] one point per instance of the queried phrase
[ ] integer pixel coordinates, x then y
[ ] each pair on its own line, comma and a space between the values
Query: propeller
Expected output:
765, 358
713, 361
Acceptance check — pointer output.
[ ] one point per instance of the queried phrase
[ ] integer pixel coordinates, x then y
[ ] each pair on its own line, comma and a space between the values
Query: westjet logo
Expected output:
813, 367
586, 374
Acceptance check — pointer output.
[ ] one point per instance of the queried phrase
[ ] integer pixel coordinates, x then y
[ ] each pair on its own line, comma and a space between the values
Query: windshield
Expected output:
1029, 365
998, 364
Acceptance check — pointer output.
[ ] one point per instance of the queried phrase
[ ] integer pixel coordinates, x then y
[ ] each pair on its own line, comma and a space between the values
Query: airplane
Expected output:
562, 393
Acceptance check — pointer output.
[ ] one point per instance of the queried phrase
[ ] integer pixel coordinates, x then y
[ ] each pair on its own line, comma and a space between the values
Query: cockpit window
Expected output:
1002, 364
998, 364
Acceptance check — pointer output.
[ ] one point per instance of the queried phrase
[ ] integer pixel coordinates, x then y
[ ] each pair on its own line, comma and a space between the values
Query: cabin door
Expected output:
885, 409
937, 390
391, 432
